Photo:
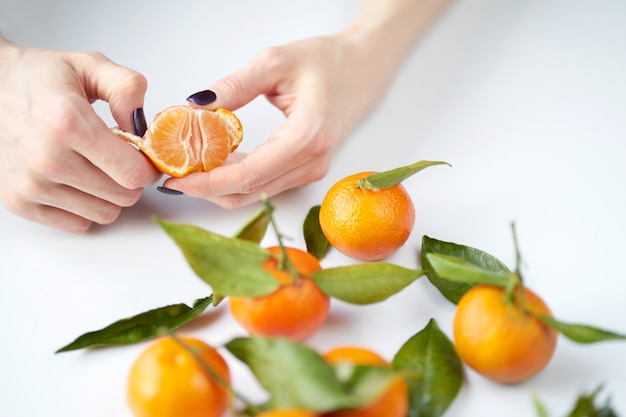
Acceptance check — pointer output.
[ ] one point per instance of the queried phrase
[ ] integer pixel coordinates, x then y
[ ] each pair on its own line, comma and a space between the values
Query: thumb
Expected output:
123, 88
237, 89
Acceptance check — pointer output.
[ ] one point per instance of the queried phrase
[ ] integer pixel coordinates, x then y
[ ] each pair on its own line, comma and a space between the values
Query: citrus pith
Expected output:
182, 139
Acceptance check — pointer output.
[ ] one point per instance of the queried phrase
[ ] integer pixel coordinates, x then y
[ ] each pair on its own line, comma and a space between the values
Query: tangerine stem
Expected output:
209, 370
518, 279
285, 262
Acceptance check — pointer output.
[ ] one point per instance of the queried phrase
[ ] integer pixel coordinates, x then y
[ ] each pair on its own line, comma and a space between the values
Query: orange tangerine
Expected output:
503, 341
166, 380
366, 224
296, 310
182, 139
394, 402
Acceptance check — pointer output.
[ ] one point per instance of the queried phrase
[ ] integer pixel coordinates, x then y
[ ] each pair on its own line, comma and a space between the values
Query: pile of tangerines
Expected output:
281, 296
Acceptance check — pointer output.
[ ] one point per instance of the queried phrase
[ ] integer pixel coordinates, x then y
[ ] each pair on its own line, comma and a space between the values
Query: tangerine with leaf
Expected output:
182, 139
393, 402
369, 216
287, 412
179, 376
297, 309
499, 333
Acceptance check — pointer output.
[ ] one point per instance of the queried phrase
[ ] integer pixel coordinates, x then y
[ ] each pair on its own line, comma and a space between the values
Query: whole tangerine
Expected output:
366, 224
297, 309
394, 402
504, 341
167, 380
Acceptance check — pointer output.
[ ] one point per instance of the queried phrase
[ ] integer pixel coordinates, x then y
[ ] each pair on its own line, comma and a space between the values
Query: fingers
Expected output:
123, 88
287, 160
243, 86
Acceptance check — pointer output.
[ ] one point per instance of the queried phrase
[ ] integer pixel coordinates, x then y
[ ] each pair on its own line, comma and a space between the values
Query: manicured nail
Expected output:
169, 191
139, 122
202, 98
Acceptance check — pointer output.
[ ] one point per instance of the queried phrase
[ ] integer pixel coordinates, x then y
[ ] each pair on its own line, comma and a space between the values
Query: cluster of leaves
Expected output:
296, 376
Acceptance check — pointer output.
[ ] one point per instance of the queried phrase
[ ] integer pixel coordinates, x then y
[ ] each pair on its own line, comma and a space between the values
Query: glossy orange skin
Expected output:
287, 412
499, 340
368, 225
168, 381
295, 310
392, 403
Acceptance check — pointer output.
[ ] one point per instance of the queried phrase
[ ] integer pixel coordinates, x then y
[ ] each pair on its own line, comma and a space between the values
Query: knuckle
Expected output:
273, 58
108, 214
130, 197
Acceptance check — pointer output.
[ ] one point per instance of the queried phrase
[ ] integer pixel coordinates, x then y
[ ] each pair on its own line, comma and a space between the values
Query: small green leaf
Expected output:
293, 375
582, 333
316, 242
458, 269
434, 371
365, 283
541, 409
393, 177
586, 407
230, 266
141, 327
454, 290
254, 230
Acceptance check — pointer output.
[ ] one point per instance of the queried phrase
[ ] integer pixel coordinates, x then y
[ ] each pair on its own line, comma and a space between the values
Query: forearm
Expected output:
393, 27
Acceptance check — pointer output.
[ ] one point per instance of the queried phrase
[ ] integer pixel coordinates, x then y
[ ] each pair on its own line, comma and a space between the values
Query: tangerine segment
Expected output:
182, 139
166, 380
394, 402
499, 340
296, 310
370, 224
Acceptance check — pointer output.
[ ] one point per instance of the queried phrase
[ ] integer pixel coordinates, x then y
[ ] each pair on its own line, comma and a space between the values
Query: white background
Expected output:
527, 101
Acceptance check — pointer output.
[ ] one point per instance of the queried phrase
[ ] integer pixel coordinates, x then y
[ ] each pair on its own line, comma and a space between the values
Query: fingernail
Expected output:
169, 191
202, 98
139, 122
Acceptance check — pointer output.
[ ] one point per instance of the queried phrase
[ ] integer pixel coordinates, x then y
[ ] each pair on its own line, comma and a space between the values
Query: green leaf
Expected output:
316, 242
393, 177
434, 371
230, 266
364, 384
254, 230
586, 407
458, 269
541, 409
141, 327
581, 333
454, 290
293, 375
365, 283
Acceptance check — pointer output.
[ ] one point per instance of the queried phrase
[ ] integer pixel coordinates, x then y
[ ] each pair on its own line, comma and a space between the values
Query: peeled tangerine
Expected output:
182, 139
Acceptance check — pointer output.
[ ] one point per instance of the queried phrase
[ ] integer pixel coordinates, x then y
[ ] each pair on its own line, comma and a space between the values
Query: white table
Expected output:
527, 101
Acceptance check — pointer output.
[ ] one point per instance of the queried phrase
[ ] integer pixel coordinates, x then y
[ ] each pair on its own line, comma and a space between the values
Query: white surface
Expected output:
527, 101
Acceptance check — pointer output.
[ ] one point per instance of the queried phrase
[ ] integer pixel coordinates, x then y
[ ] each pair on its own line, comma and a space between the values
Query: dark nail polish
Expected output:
139, 122
169, 191
202, 98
